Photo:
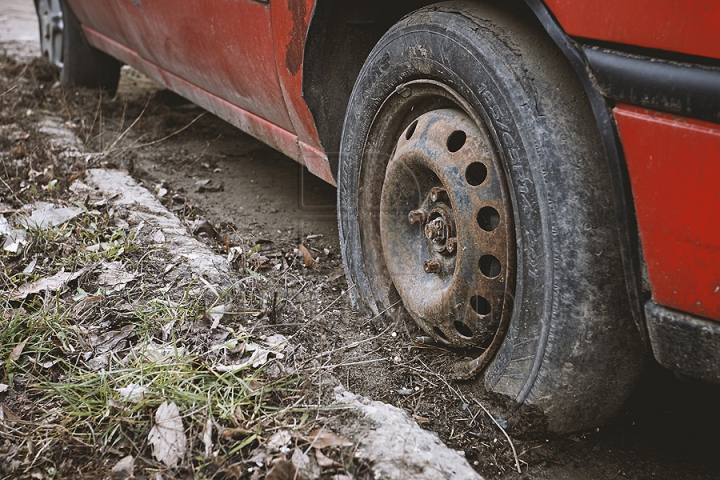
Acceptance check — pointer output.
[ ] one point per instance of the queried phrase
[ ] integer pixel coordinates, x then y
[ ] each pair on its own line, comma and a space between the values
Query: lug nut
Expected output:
438, 194
451, 244
417, 216
432, 266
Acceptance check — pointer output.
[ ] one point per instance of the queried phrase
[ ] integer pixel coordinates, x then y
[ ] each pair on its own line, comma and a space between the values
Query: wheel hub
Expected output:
446, 229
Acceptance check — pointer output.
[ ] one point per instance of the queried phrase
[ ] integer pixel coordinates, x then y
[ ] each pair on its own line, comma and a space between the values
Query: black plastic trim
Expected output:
684, 343
624, 205
668, 86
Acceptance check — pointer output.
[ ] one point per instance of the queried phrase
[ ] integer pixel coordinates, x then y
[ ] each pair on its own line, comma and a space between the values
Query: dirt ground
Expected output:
233, 191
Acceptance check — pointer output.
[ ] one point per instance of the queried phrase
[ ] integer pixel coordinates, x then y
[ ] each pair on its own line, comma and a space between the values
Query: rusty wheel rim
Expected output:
447, 233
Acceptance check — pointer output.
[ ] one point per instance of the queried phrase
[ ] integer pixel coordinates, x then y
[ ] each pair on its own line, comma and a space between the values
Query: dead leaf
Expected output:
31, 267
307, 468
7, 415
207, 437
167, 353
253, 385
256, 260
46, 215
124, 468
114, 275
236, 433
17, 350
216, 313
51, 284
282, 470
133, 392
5, 227
342, 476
321, 438
325, 461
15, 239
279, 440
167, 436
109, 340
307, 257
3, 387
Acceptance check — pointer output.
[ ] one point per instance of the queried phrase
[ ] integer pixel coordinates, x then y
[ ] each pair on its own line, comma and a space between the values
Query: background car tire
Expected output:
64, 44
570, 347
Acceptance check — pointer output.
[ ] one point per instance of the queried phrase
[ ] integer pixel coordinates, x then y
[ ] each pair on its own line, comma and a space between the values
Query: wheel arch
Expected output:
341, 35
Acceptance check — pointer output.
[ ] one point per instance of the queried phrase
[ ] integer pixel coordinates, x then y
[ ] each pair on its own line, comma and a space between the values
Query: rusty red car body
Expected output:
244, 61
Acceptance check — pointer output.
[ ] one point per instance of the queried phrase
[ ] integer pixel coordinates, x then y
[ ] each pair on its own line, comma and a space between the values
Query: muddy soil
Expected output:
233, 191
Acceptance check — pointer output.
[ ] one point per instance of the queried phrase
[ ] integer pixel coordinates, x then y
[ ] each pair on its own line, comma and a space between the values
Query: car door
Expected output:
225, 47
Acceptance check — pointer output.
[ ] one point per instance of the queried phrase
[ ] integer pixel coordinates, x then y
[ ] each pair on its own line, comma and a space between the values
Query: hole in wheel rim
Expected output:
463, 330
480, 305
456, 140
490, 266
440, 334
410, 130
476, 173
488, 219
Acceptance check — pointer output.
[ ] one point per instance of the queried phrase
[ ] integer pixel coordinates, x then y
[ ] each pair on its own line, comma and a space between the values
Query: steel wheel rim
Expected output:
406, 103
51, 31
446, 227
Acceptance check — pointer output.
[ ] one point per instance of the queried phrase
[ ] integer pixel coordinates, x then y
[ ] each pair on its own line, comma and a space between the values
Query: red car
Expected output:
536, 180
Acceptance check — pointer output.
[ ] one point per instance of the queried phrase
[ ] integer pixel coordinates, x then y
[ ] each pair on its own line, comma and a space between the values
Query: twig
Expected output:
8, 91
125, 132
164, 138
517, 462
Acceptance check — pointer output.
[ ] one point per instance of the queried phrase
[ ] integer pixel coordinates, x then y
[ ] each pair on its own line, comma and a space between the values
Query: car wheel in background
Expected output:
63, 44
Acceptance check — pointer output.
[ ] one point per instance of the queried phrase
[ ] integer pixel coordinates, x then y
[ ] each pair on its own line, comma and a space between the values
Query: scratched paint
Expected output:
294, 49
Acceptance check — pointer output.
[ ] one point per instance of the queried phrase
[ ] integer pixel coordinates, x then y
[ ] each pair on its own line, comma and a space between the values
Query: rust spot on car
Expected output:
294, 50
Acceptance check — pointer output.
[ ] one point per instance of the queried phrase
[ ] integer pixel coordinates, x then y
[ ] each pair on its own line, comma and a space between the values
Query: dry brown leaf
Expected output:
325, 461
114, 275
279, 440
7, 415
46, 215
421, 420
306, 467
207, 437
17, 351
282, 470
167, 435
321, 438
236, 433
307, 257
50, 284
124, 468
